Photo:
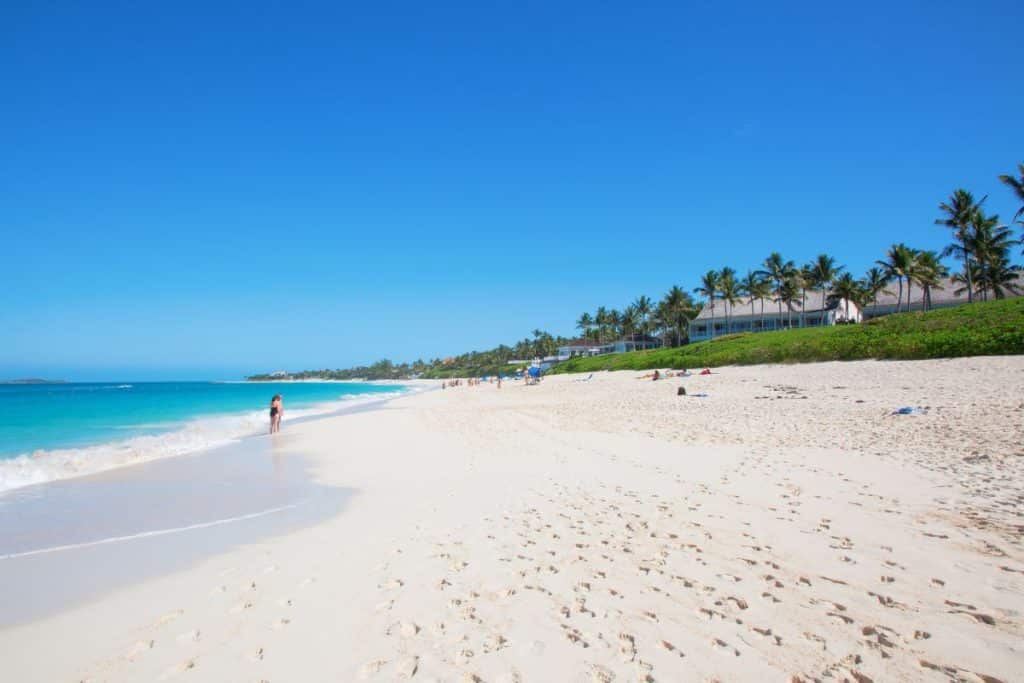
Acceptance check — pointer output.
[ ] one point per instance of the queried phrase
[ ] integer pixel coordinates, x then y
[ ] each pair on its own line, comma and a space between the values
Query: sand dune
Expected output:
786, 527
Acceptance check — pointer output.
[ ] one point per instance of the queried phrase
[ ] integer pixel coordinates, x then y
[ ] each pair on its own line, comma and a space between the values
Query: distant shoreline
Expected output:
33, 381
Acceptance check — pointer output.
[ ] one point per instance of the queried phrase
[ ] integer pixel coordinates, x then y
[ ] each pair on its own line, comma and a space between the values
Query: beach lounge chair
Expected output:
585, 379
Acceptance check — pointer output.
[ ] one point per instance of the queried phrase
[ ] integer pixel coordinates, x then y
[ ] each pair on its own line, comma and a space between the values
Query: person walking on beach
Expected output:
276, 411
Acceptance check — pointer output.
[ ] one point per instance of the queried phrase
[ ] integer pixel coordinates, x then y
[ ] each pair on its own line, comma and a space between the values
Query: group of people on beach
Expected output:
471, 382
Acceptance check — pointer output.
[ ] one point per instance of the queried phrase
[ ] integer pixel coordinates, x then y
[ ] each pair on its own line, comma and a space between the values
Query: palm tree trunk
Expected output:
970, 280
899, 295
908, 295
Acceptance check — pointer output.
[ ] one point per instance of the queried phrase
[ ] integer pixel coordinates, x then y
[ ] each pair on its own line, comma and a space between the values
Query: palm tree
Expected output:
990, 242
874, 283
928, 272
788, 293
616, 324
805, 277
755, 287
584, 323
959, 212
709, 289
898, 263
678, 309
776, 270
1003, 279
601, 320
1016, 185
729, 288
823, 271
643, 308
846, 289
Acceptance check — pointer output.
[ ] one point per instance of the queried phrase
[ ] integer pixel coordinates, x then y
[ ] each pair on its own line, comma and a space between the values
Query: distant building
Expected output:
640, 342
588, 347
943, 296
583, 347
742, 320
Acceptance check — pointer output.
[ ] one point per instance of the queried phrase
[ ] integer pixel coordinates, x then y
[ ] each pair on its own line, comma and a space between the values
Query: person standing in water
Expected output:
276, 411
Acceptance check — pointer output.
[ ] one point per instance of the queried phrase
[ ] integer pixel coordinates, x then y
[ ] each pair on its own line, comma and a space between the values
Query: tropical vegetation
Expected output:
985, 328
980, 243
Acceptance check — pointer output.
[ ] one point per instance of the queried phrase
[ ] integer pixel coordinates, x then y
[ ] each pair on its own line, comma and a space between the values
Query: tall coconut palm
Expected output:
643, 308
898, 263
584, 323
678, 310
789, 293
990, 243
1003, 279
601, 321
709, 290
1016, 186
777, 271
874, 282
755, 287
629, 320
928, 272
823, 271
959, 211
729, 289
805, 278
846, 289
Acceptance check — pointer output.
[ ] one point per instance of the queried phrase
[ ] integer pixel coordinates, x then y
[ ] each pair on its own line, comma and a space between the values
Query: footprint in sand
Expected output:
168, 617
141, 647
371, 668
189, 637
407, 666
180, 668
627, 647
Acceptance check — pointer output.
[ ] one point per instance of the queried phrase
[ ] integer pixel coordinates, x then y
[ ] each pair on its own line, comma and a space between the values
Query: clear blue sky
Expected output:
202, 190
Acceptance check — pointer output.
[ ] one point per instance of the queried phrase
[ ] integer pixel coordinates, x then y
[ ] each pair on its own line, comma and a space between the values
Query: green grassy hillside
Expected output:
980, 329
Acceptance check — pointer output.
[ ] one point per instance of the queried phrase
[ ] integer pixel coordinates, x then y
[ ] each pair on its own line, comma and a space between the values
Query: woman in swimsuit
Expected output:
276, 410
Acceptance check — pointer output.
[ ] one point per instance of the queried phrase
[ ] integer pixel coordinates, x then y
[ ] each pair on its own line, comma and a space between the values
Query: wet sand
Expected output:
69, 541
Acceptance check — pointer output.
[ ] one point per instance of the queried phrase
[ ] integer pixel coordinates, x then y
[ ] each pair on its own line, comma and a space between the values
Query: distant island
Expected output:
33, 380
503, 359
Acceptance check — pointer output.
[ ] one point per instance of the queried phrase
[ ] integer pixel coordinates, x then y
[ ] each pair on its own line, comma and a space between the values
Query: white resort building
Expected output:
943, 296
742, 320
589, 347
837, 311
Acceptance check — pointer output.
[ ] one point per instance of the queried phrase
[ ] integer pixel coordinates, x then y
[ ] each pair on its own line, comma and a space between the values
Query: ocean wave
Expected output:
192, 436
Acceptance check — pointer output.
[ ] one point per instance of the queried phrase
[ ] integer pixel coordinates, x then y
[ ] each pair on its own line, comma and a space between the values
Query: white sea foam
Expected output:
189, 437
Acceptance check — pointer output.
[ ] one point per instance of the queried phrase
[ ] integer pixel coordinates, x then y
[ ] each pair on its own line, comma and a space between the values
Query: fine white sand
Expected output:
787, 527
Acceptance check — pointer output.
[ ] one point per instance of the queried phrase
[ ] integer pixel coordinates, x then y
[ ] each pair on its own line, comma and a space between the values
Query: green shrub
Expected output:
989, 328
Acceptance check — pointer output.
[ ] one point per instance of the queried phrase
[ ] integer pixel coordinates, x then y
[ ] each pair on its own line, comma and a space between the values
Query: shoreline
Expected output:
44, 466
589, 530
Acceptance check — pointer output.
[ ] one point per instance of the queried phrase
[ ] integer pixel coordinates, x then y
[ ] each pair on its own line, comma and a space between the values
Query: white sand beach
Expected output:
786, 527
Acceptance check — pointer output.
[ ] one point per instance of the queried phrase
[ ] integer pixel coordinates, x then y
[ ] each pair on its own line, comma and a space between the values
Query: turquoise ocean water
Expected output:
51, 431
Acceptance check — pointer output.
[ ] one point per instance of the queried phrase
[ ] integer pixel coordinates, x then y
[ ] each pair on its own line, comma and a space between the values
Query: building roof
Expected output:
580, 344
639, 338
742, 307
